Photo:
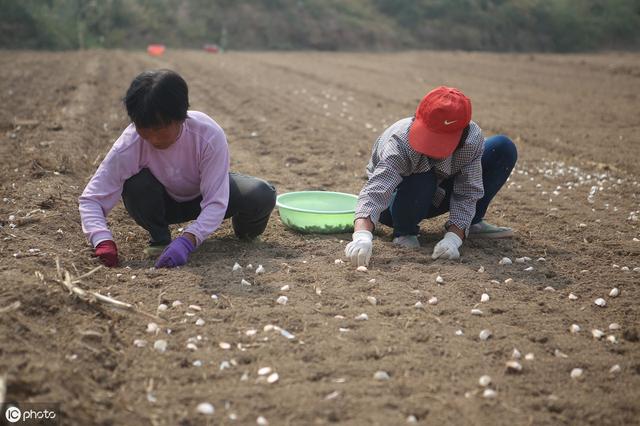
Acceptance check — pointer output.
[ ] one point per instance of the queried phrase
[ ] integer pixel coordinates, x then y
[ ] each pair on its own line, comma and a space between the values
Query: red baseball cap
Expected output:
439, 122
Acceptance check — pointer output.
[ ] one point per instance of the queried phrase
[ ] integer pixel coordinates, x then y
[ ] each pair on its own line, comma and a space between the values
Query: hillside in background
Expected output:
499, 25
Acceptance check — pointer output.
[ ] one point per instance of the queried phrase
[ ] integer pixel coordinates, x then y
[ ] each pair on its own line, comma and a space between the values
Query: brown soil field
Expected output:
308, 121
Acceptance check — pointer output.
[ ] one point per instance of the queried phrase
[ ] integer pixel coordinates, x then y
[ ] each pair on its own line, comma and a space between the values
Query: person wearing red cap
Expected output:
423, 166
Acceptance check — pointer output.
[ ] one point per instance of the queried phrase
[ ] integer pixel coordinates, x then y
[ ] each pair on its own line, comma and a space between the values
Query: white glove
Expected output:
359, 250
448, 247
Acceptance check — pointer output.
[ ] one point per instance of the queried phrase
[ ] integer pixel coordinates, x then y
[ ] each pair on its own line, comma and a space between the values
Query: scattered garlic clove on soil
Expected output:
484, 297
162, 307
476, 312
418, 305
559, 354
249, 266
549, 288
282, 300
484, 334
612, 339
529, 357
176, 303
362, 317
439, 280
192, 346
481, 269
459, 333
264, 371
224, 345
597, 334
505, 261
338, 261
529, 269
433, 301
236, 267
600, 302
139, 343
381, 375
508, 281
484, 381
205, 408
614, 292
576, 373
372, 300
195, 307
260, 269
273, 377
411, 419
516, 354
285, 287
261, 421
574, 328
251, 332
245, 283
513, 367
520, 259
152, 327
615, 369
372, 281
614, 326
489, 393
160, 345
361, 269
199, 322
573, 296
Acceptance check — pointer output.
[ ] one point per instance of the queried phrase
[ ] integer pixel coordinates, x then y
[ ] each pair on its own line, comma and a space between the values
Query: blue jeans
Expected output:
412, 199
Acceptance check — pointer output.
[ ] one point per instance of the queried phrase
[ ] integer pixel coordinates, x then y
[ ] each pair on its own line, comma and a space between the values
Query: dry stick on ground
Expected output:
12, 307
64, 279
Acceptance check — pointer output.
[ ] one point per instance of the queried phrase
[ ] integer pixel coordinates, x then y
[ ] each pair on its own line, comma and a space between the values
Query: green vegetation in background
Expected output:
499, 25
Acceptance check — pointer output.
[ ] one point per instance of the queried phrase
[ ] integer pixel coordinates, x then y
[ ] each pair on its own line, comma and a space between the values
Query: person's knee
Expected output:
505, 148
264, 196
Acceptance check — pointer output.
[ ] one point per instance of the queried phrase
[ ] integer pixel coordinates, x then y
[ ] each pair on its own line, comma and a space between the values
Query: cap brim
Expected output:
432, 144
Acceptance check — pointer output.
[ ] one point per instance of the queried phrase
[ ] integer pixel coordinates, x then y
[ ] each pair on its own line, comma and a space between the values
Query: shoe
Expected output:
155, 250
483, 229
407, 241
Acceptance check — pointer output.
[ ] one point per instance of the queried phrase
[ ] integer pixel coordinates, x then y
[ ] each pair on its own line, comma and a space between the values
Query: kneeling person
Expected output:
426, 165
171, 165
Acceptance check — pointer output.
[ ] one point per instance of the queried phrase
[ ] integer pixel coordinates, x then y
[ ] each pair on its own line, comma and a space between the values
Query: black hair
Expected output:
156, 98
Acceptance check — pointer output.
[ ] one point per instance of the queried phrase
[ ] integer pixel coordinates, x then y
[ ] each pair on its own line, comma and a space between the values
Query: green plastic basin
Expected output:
317, 212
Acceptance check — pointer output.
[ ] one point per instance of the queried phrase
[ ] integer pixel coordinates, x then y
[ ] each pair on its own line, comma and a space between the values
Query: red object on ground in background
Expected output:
211, 48
155, 49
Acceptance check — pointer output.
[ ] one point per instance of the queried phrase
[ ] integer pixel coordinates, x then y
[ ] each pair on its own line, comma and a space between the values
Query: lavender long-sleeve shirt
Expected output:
196, 164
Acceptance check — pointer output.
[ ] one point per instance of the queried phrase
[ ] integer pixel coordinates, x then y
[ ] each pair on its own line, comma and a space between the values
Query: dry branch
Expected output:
64, 279
12, 307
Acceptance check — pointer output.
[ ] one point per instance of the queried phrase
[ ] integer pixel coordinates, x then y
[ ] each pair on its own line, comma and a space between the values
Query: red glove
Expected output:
108, 253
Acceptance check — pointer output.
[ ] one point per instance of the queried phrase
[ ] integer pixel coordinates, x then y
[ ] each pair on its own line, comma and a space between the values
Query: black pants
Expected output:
251, 201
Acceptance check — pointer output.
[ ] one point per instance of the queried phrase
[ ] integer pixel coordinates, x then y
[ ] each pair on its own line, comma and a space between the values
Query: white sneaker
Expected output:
407, 241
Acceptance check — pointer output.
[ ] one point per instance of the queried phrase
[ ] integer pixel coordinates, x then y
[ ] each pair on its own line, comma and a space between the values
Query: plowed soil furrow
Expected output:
307, 121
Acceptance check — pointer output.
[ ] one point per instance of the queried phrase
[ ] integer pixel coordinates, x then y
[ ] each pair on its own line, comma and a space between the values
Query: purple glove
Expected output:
176, 253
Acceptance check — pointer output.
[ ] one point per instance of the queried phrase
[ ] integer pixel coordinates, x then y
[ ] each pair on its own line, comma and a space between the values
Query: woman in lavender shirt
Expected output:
171, 165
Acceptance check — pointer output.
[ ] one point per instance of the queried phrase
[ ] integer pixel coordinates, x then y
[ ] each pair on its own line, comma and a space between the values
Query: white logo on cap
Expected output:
447, 123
